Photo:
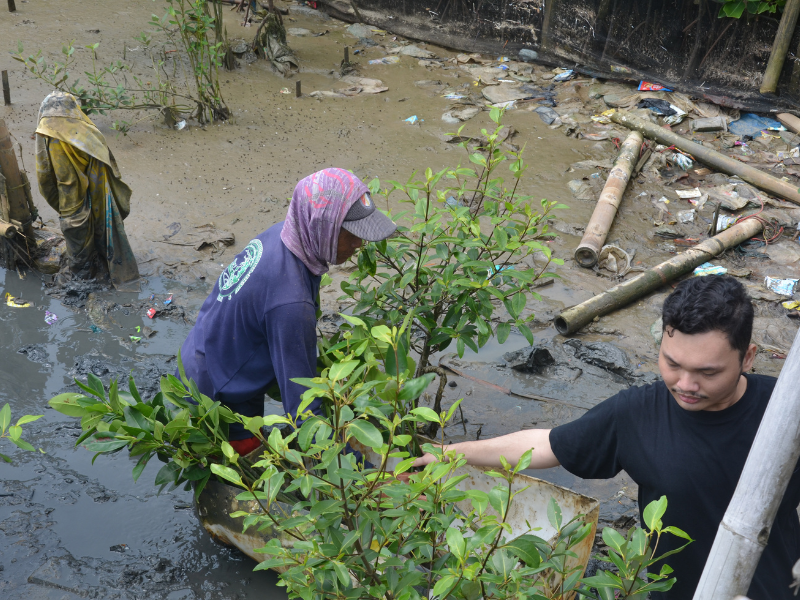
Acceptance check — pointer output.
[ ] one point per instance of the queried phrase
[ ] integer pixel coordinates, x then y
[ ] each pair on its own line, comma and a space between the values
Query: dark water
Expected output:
70, 529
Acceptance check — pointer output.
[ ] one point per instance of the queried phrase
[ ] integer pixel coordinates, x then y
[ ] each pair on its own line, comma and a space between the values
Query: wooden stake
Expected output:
712, 158
572, 319
780, 47
745, 528
11, 6
6, 89
603, 216
297, 91
15, 185
346, 55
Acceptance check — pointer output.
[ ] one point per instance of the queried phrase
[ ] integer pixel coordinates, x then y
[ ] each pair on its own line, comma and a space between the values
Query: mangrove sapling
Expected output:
358, 530
465, 246
108, 87
13, 433
633, 556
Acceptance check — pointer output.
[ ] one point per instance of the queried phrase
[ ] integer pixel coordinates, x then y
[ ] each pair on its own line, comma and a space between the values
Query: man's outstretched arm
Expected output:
487, 453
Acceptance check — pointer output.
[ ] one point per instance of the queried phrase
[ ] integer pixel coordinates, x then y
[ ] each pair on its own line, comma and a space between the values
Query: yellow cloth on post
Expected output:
79, 178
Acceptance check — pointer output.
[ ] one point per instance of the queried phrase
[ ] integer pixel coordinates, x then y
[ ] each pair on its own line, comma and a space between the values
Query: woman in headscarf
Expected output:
79, 178
257, 329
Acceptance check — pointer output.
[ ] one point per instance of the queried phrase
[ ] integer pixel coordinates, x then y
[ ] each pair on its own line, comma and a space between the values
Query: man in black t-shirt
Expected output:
686, 437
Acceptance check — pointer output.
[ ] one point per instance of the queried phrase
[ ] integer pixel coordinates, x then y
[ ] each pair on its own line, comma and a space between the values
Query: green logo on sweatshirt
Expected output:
236, 274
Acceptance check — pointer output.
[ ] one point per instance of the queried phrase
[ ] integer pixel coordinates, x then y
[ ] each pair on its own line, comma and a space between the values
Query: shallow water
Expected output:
71, 529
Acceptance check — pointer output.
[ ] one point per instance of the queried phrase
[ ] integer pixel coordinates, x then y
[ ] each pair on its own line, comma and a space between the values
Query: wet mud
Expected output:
70, 529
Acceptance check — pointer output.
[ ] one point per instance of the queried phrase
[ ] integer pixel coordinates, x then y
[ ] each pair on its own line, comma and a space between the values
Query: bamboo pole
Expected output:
603, 216
15, 184
780, 47
712, 158
7, 230
791, 122
745, 528
572, 319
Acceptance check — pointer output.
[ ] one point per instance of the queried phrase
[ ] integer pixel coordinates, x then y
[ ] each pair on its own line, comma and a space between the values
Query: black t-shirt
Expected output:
695, 459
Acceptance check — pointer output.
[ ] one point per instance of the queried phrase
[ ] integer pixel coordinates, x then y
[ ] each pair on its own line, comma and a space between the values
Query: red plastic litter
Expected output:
151, 313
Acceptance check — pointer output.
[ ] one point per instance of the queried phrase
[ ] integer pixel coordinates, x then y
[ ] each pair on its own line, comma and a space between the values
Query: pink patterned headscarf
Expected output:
319, 205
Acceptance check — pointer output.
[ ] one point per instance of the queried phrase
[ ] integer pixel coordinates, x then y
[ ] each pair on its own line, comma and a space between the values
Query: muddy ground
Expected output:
70, 529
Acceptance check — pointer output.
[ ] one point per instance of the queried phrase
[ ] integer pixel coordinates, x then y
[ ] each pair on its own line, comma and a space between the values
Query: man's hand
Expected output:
487, 453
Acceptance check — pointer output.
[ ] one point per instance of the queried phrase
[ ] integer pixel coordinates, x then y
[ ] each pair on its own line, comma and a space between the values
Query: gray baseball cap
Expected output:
367, 222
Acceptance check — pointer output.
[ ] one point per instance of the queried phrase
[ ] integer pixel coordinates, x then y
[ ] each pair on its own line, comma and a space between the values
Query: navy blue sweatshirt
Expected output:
256, 329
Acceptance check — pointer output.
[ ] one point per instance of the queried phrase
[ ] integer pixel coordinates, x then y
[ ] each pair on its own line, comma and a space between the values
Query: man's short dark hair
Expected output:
711, 303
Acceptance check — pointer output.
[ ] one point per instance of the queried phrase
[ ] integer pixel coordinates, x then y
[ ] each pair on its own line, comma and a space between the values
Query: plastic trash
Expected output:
686, 194
790, 304
152, 296
507, 105
503, 67
725, 221
168, 300
497, 269
94, 328
502, 59
699, 202
784, 287
564, 76
604, 117
546, 114
386, 60
658, 106
16, 302
414, 119
620, 69
453, 96
453, 203
285, 91
686, 216
135, 338
646, 86
526, 55
680, 160
180, 125
710, 124
151, 312
709, 269
49, 317
751, 124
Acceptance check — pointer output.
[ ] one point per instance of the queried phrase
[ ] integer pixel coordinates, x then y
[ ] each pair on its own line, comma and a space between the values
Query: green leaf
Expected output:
456, 544
67, 405
443, 585
226, 473
613, 539
679, 532
5, 418
104, 443
28, 419
524, 548
554, 513
653, 513
341, 370
366, 433
503, 329
426, 413
414, 387
167, 474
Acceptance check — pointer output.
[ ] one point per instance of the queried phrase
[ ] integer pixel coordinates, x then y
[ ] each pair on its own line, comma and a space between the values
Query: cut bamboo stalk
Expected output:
8, 230
744, 530
572, 319
603, 216
780, 47
791, 122
712, 158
